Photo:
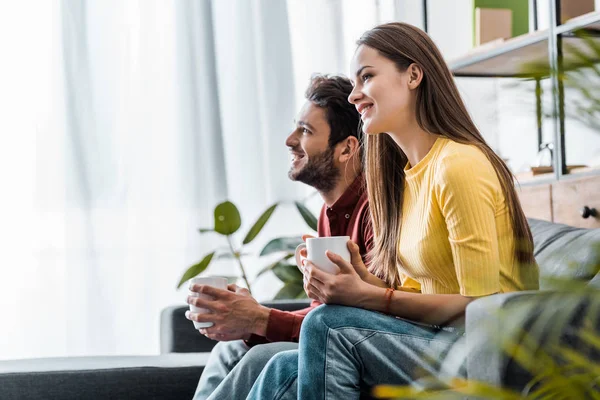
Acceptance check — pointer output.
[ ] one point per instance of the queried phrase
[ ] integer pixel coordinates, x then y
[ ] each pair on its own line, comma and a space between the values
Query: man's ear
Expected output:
350, 147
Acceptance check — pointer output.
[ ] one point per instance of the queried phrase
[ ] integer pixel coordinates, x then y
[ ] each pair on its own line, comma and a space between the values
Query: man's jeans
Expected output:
233, 367
346, 350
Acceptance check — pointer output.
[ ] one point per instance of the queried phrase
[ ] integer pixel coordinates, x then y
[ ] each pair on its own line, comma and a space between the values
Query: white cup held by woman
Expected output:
316, 248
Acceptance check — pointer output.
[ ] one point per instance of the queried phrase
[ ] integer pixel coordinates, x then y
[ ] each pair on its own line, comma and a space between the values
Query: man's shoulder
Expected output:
362, 205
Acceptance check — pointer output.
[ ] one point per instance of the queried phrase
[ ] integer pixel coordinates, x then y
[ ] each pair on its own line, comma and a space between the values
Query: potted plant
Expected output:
227, 221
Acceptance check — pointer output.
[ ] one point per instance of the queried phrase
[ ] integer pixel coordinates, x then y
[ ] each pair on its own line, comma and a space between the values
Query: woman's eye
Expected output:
306, 131
365, 77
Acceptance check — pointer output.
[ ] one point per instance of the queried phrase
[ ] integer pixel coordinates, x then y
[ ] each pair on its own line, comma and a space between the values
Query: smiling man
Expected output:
326, 154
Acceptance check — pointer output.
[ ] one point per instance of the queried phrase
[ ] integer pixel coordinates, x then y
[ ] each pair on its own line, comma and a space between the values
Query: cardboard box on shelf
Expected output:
492, 24
575, 8
519, 23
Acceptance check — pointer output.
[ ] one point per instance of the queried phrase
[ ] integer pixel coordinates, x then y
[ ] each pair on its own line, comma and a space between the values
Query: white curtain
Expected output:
127, 122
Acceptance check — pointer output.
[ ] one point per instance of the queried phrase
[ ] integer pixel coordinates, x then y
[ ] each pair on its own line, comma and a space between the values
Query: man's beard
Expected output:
320, 172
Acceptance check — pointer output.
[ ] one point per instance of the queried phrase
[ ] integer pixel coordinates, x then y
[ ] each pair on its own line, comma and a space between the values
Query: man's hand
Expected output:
235, 314
238, 290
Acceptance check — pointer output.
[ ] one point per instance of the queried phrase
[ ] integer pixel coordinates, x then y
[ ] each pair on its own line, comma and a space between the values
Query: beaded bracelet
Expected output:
389, 292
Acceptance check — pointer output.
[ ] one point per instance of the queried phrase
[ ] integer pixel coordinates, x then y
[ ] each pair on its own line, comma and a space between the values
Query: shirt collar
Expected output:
348, 200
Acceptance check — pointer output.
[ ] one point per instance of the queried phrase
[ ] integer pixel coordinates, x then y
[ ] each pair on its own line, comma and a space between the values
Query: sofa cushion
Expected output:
168, 376
563, 251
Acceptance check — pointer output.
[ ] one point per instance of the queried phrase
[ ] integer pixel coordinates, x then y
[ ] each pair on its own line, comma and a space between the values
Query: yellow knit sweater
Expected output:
456, 235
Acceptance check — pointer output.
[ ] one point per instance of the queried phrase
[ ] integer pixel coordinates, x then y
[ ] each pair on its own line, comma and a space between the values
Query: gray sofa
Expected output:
173, 374
569, 261
561, 251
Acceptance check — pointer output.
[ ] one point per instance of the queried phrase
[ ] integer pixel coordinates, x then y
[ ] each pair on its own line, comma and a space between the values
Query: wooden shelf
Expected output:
516, 57
503, 60
527, 178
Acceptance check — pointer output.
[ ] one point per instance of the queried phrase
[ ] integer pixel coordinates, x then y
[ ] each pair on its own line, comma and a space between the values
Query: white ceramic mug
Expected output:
214, 281
316, 248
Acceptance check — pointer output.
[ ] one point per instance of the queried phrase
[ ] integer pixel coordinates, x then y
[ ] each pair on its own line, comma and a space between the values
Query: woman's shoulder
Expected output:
462, 160
452, 149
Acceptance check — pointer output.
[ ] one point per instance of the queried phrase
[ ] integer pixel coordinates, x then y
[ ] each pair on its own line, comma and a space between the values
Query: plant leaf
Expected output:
289, 291
196, 269
288, 273
271, 266
259, 224
227, 218
205, 230
287, 244
308, 217
592, 338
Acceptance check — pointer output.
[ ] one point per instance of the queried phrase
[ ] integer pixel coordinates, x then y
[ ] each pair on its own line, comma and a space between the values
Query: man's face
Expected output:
313, 161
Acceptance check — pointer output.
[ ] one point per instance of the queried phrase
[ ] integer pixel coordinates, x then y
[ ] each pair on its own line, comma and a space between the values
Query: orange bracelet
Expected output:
389, 292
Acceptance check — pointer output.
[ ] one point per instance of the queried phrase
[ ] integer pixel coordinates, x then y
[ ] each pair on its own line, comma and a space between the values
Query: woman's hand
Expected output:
355, 259
345, 288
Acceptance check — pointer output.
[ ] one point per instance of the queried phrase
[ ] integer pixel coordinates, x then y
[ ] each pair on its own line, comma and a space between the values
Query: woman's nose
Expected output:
354, 96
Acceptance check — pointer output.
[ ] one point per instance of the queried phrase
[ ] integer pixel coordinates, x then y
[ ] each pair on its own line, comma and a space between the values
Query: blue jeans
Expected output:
346, 350
233, 367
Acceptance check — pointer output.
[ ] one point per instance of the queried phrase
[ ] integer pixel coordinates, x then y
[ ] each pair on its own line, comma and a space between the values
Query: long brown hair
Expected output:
439, 110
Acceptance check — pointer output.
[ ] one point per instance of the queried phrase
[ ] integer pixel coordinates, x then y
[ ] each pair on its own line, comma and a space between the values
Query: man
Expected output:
325, 149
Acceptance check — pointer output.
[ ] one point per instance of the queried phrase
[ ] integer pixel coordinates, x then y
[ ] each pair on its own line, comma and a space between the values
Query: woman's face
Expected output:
382, 95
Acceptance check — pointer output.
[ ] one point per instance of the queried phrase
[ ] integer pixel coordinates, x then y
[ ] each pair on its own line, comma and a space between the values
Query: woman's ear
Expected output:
415, 76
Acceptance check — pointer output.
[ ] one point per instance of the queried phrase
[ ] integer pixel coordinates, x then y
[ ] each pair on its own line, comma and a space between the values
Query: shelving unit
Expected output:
514, 57
542, 54
547, 54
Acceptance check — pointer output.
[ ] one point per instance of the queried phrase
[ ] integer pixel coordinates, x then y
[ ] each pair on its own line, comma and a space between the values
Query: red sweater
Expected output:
349, 216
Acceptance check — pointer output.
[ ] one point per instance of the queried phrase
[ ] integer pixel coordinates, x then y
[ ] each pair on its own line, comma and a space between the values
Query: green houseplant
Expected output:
285, 267
227, 221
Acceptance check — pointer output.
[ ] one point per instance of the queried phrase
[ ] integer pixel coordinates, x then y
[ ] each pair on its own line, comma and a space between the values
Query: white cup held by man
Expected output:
214, 281
316, 248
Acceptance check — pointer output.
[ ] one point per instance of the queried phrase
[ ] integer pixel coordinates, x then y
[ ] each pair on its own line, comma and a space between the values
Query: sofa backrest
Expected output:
563, 251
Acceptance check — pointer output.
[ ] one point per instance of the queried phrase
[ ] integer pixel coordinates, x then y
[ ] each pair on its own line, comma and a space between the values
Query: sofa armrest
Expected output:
177, 333
495, 323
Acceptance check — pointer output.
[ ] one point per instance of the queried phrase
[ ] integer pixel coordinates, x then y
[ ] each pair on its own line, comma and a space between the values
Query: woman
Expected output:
445, 213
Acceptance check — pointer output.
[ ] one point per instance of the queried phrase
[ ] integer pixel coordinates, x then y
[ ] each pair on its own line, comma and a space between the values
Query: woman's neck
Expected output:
414, 142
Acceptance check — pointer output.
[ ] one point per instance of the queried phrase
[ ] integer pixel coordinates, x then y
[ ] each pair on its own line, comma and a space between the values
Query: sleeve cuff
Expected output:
283, 326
